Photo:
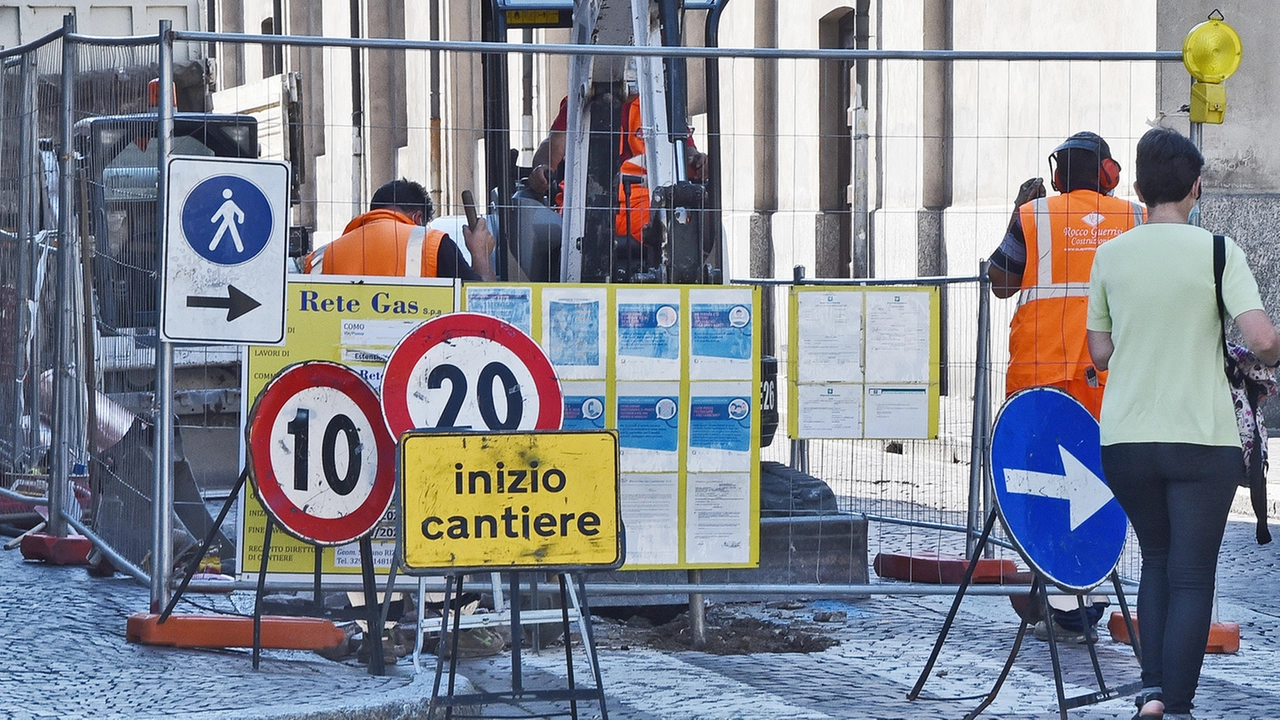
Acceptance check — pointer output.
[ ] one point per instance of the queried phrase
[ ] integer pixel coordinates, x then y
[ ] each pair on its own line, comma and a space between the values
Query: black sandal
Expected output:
1145, 698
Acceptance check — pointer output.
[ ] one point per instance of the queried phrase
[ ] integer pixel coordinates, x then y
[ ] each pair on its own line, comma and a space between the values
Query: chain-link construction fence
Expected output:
853, 171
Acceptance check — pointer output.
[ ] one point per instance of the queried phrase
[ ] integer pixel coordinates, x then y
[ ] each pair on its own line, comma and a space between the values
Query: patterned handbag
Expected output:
1251, 383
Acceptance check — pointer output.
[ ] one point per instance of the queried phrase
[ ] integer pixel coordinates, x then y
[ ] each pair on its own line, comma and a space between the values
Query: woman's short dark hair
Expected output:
404, 195
1168, 164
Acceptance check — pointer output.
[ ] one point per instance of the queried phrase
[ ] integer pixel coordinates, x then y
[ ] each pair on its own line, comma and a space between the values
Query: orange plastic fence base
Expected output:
70, 550
944, 569
1224, 637
224, 631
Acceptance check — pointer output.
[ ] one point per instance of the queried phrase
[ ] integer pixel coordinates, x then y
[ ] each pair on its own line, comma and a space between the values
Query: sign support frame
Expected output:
450, 628
1039, 592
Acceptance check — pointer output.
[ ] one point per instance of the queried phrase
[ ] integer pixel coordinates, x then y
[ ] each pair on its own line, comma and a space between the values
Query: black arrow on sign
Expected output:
236, 302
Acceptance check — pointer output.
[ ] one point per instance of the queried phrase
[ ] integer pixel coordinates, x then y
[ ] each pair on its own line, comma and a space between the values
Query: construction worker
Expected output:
392, 240
633, 191
1046, 254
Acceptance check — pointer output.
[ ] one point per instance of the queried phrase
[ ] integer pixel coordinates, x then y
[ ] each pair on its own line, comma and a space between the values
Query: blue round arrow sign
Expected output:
1046, 467
226, 219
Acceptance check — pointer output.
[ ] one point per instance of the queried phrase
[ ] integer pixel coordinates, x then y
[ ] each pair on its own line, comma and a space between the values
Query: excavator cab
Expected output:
630, 211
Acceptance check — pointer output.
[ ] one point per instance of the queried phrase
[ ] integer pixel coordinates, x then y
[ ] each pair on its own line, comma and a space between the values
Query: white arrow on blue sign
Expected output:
1046, 468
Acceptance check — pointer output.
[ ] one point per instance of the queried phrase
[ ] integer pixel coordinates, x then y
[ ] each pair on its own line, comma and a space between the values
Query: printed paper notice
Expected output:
649, 427
650, 508
717, 518
830, 412
510, 304
829, 326
897, 412
720, 427
366, 345
583, 406
898, 337
648, 327
721, 329
573, 331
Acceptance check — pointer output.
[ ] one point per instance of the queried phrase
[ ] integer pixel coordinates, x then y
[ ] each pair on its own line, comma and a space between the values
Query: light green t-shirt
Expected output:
1152, 289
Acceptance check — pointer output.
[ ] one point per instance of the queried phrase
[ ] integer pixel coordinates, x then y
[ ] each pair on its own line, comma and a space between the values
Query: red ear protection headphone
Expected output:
1108, 169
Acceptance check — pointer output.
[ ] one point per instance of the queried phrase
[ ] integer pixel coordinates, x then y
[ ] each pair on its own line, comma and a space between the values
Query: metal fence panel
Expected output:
846, 180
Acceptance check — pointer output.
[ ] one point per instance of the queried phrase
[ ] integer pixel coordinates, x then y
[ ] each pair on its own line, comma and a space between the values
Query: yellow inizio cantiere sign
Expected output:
526, 500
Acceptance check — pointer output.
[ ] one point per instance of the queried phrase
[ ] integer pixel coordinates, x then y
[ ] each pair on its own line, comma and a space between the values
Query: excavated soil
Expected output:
731, 630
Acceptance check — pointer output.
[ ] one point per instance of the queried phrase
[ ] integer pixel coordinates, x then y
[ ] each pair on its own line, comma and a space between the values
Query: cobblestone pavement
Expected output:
66, 657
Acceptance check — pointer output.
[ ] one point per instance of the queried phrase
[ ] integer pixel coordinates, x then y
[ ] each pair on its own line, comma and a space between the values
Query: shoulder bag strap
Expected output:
1220, 264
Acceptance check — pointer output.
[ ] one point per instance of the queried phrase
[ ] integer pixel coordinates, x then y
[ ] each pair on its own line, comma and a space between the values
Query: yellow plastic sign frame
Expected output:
536, 500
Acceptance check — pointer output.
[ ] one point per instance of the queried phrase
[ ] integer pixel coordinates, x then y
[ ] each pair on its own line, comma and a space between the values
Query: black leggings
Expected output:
1177, 497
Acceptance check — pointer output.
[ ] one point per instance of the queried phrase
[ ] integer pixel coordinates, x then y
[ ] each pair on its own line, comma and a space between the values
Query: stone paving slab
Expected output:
65, 656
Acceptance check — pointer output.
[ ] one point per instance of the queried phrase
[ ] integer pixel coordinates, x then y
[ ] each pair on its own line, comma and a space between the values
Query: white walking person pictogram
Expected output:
230, 214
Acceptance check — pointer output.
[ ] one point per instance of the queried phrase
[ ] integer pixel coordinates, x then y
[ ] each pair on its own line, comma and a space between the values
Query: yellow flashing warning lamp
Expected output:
1211, 53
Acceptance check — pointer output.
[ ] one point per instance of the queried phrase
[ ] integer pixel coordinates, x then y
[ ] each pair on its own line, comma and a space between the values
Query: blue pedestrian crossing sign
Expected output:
226, 242
1046, 468
227, 220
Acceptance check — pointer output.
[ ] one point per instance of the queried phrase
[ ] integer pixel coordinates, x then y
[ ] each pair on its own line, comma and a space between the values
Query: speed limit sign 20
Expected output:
319, 455
470, 371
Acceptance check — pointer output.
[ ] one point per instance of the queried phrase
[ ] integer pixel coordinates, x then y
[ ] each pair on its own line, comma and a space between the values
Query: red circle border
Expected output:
395, 379
293, 519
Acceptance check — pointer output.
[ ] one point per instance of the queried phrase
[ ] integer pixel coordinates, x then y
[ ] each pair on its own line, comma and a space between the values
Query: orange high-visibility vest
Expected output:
379, 242
1047, 343
633, 199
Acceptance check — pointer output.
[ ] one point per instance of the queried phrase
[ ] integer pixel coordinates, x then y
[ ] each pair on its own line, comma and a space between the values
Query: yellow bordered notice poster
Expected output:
675, 370
864, 362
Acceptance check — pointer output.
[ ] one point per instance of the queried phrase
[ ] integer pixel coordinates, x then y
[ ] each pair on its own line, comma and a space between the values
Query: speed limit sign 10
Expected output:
470, 371
320, 457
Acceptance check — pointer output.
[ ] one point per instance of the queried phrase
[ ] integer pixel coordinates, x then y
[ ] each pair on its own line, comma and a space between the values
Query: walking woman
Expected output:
1170, 447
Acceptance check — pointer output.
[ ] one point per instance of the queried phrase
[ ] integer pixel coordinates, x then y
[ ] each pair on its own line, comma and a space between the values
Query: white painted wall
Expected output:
1241, 155
28, 20
1007, 116
337, 198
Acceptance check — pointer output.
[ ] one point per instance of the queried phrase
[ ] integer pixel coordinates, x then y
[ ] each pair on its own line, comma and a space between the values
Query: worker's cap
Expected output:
1086, 140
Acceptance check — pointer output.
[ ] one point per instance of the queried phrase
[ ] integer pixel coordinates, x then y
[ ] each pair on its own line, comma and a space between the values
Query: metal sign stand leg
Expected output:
517, 637
568, 646
317, 597
1053, 652
588, 637
1008, 664
390, 589
257, 598
1040, 593
373, 634
1089, 641
571, 599
440, 644
1128, 617
204, 547
955, 605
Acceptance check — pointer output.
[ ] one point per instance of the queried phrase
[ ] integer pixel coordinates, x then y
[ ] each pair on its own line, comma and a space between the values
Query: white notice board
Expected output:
863, 363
